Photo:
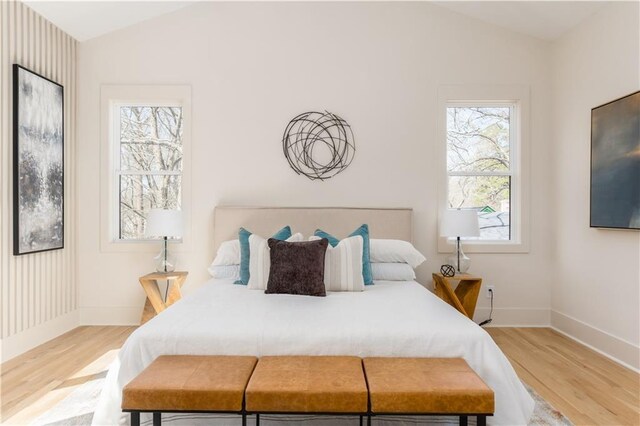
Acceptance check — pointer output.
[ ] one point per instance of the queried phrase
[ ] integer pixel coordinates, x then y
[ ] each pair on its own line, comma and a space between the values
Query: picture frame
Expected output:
615, 164
38, 163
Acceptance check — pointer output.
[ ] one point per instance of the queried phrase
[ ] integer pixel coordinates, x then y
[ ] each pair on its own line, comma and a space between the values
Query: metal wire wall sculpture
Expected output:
318, 145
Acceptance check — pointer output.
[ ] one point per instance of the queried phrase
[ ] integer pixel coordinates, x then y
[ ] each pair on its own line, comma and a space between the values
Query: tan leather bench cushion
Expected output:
312, 384
426, 385
190, 383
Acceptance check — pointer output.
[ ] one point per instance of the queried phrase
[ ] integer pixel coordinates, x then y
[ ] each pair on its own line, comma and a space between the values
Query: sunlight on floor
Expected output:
96, 370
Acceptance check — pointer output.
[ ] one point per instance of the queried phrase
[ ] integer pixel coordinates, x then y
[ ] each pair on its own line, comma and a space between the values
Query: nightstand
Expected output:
155, 302
465, 295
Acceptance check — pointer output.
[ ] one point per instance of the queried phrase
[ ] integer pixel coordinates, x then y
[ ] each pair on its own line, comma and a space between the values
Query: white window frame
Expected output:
517, 98
112, 98
117, 165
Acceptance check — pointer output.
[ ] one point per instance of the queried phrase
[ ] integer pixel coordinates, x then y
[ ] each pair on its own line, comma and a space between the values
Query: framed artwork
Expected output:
38, 163
615, 164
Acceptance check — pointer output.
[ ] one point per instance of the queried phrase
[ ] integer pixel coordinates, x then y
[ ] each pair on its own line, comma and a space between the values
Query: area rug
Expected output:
77, 410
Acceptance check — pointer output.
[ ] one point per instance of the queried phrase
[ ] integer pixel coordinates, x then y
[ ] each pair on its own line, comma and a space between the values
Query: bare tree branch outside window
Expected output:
478, 165
150, 164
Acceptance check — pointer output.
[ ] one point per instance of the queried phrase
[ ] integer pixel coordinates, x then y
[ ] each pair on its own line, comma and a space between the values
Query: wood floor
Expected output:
587, 387
34, 382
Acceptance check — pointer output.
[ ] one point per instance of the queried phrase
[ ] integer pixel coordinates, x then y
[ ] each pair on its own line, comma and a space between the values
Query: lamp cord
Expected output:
166, 290
488, 321
458, 250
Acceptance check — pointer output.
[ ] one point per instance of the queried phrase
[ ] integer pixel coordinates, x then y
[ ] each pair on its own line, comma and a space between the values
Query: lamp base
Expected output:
464, 261
165, 261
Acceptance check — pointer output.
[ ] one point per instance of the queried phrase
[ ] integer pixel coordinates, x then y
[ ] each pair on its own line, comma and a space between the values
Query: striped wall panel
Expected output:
39, 287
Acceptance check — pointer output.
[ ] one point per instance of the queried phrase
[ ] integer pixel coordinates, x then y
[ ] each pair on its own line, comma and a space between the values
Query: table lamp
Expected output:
459, 223
165, 224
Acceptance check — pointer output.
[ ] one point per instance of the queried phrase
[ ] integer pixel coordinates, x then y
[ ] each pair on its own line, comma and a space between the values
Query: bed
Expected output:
387, 319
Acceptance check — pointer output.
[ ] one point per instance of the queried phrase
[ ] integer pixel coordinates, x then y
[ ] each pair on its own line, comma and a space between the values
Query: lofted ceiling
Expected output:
84, 20
546, 20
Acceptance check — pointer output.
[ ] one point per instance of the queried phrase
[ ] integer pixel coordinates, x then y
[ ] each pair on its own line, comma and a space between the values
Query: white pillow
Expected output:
225, 271
228, 253
396, 251
260, 260
343, 265
392, 272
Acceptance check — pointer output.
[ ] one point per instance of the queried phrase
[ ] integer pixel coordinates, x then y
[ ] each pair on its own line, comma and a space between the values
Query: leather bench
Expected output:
427, 386
307, 385
322, 385
189, 384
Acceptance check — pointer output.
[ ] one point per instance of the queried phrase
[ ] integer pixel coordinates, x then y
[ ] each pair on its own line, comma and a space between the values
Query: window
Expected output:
144, 162
149, 153
480, 140
483, 132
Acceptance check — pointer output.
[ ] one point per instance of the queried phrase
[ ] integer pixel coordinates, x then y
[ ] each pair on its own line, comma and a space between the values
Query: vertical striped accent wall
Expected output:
36, 288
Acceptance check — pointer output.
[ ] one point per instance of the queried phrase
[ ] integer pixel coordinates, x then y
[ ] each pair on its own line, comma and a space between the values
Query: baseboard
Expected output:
100, 315
20, 343
514, 317
618, 350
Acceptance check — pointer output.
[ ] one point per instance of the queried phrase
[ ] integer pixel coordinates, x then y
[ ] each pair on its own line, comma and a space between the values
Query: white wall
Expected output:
595, 291
38, 299
253, 66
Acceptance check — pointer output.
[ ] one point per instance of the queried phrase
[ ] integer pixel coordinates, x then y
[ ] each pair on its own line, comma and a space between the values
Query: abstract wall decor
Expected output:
615, 164
38, 163
318, 145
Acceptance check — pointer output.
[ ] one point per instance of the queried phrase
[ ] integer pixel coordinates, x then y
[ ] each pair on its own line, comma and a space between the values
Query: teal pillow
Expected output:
243, 236
363, 231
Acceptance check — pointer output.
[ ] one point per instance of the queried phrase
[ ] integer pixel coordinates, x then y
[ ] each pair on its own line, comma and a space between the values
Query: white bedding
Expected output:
387, 319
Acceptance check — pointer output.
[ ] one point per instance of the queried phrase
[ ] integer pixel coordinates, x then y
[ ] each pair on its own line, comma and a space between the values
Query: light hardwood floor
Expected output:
37, 380
587, 387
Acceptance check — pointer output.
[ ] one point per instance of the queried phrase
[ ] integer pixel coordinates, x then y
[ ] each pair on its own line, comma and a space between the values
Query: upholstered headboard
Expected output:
340, 221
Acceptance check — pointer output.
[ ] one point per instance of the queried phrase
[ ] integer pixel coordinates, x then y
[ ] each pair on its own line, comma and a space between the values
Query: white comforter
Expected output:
387, 319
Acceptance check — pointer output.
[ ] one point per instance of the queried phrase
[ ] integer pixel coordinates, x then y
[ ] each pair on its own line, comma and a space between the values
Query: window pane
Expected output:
138, 194
150, 138
489, 196
478, 139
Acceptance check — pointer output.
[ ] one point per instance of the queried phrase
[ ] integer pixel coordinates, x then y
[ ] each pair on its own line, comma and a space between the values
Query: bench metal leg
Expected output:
244, 419
360, 420
157, 418
482, 420
463, 420
257, 419
135, 418
369, 420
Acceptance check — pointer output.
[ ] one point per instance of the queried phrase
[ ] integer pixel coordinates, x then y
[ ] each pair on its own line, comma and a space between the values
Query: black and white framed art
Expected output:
38, 163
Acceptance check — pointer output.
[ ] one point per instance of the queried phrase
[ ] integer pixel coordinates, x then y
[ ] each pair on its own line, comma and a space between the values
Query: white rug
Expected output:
77, 410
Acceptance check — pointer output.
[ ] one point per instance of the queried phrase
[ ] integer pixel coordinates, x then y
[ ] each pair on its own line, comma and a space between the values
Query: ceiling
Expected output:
85, 20
546, 20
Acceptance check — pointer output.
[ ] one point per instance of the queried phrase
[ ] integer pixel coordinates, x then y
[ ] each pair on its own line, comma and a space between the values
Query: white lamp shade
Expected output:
164, 223
460, 223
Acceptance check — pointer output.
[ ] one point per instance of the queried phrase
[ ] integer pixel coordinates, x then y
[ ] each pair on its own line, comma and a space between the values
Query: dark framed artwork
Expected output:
615, 164
38, 163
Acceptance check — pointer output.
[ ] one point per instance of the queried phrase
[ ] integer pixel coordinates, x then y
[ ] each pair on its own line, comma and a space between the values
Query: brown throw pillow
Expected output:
297, 268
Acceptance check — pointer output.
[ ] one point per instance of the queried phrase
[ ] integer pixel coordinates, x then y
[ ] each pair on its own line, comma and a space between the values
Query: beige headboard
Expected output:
340, 221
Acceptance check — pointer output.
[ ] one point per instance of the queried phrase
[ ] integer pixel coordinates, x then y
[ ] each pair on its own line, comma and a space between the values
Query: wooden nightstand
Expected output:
464, 297
155, 302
